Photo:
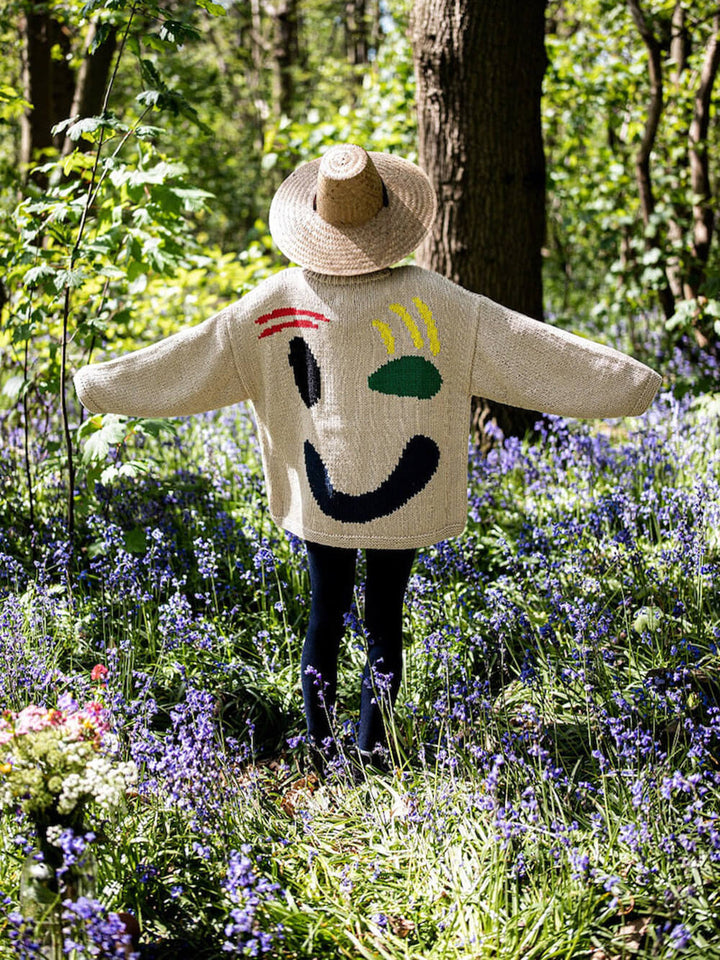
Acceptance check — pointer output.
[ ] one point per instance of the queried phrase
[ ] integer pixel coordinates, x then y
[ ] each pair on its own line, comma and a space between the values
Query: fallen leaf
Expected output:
401, 927
299, 791
634, 931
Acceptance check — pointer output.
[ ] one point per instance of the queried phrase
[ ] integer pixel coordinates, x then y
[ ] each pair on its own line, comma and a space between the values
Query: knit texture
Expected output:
361, 389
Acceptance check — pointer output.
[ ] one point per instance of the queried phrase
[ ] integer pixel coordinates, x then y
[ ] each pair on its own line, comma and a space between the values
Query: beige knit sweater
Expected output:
361, 388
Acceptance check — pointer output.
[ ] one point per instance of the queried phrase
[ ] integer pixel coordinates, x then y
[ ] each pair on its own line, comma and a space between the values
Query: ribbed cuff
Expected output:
84, 393
647, 395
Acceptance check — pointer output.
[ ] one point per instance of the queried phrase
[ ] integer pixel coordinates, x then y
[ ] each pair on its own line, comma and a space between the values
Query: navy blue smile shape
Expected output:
412, 473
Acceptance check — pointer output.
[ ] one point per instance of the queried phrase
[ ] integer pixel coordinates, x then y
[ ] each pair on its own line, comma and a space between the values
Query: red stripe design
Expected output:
269, 331
291, 312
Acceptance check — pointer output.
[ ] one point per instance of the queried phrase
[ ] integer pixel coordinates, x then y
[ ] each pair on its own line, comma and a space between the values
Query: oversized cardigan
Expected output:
361, 390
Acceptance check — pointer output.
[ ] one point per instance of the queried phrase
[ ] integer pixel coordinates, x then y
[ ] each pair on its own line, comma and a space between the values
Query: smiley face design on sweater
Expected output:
361, 402
403, 375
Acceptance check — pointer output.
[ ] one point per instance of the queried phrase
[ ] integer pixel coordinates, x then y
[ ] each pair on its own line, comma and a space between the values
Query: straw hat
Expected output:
351, 211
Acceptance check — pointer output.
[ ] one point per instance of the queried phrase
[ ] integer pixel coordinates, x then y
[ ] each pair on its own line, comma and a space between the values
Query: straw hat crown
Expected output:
349, 188
352, 212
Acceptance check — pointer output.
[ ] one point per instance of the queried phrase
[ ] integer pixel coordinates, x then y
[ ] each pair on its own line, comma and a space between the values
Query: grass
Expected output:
556, 739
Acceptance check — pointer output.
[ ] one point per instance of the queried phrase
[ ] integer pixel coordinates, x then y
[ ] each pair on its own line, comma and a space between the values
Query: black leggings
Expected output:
332, 580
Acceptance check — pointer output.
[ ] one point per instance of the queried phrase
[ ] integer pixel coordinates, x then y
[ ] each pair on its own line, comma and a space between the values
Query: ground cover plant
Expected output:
555, 790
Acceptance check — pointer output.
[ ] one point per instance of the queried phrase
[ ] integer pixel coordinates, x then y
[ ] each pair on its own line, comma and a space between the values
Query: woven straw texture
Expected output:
361, 389
329, 214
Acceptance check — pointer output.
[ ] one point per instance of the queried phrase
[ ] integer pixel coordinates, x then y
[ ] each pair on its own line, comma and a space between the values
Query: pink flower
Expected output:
34, 718
94, 714
99, 672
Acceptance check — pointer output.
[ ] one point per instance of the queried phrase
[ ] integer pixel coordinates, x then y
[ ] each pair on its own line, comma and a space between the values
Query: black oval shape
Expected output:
305, 370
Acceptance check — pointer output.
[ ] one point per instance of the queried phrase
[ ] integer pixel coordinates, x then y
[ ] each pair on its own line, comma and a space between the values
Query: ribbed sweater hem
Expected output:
362, 541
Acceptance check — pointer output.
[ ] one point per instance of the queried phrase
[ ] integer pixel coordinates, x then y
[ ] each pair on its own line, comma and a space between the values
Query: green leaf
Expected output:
647, 619
712, 308
177, 32
101, 432
148, 132
95, 448
135, 540
154, 427
15, 387
61, 126
193, 199
70, 278
37, 274
97, 549
216, 9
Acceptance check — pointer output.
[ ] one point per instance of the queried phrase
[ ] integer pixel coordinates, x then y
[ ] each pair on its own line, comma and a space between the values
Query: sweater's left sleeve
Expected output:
190, 372
525, 363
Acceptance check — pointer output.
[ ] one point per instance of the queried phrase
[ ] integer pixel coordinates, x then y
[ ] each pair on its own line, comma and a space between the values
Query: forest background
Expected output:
571, 144
565, 799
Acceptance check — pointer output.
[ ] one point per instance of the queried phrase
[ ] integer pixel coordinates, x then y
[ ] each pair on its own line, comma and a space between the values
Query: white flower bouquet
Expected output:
54, 762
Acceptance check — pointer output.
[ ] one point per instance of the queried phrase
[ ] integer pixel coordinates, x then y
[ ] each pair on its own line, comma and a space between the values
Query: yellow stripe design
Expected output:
409, 323
432, 334
387, 336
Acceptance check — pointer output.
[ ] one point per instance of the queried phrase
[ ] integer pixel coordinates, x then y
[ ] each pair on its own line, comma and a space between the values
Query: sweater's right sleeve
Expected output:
525, 363
190, 372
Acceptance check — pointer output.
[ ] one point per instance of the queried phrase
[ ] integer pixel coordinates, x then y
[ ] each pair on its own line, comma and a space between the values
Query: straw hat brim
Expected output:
393, 233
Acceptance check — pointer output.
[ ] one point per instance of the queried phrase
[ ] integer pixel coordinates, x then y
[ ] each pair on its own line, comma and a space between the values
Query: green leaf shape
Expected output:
100, 432
135, 540
407, 377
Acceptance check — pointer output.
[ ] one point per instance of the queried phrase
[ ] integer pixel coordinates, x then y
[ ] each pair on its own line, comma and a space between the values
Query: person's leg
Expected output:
388, 572
332, 578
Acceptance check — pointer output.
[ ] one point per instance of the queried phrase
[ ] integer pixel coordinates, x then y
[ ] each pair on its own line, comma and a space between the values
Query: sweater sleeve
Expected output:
525, 363
190, 372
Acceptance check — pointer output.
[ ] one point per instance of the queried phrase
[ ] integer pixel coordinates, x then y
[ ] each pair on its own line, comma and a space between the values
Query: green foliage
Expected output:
595, 111
557, 790
246, 147
114, 240
96, 223
380, 115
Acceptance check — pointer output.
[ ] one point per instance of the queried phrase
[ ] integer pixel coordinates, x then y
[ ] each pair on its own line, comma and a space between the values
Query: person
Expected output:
361, 374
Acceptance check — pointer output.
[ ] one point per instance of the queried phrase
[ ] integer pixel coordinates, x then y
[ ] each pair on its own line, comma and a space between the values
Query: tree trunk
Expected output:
356, 32
285, 55
679, 41
48, 81
375, 31
679, 48
703, 213
479, 69
643, 174
92, 79
258, 50
52, 87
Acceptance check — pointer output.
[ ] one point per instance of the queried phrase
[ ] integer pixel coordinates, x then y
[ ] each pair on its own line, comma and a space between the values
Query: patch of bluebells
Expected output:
264, 558
75, 847
93, 932
89, 931
676, 936
179, 625
250, 930
184, 764
570, 537
28, 661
